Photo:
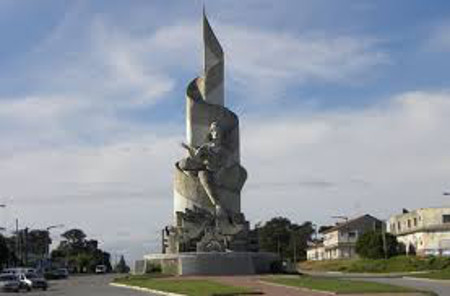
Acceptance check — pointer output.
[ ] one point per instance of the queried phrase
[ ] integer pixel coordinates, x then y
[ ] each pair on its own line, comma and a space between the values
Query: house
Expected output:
339, 242
424, 231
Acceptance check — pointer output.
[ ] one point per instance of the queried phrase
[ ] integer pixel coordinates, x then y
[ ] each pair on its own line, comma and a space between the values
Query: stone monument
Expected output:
210, 234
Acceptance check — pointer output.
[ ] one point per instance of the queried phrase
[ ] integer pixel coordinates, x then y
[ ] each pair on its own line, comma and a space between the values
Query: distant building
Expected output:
423, 231
339, 242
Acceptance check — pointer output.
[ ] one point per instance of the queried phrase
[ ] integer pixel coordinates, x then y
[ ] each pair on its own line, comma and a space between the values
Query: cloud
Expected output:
272, 61
379, 159
439, 38
307, 166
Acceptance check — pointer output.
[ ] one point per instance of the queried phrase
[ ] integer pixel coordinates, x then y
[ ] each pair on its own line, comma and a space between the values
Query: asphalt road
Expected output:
97, 285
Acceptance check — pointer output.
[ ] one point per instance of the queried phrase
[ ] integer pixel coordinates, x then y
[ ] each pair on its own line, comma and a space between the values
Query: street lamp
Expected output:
47, 251
2, 206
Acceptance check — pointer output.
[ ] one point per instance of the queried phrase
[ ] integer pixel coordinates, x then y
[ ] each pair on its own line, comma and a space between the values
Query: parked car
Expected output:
9, 283
17, 270
100, 269
33, 281
56, 274
63, 273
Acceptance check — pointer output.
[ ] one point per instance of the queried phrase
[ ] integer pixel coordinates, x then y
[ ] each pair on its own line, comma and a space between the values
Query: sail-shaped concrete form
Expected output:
205, 106
210, 234
213, 88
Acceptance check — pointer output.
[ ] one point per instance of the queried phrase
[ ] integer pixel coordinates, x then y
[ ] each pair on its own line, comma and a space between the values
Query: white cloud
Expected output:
439, 38
271, 61
379, 159
308, 166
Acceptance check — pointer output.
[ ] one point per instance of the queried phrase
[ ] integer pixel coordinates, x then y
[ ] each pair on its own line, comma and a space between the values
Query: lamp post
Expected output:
47, 249
2, 228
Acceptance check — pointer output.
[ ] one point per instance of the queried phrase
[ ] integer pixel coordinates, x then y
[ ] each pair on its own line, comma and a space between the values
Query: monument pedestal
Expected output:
213, 263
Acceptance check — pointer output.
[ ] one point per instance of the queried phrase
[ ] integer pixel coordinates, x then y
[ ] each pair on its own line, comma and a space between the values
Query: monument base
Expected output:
210, 263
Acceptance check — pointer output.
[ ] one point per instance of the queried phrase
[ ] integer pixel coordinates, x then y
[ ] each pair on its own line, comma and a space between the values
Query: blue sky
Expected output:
344, 109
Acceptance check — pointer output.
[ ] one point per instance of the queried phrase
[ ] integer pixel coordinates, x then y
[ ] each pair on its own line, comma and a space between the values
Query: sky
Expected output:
344, 109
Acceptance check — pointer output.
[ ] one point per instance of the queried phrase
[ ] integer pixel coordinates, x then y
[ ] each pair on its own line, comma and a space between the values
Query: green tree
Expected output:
280, 235
79, 253
122, 266
4, 251
371, 245
38, 242
75, 238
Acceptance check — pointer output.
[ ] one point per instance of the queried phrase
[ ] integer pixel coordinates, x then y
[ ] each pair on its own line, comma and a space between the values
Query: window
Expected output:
393, 227
352, 234
399, 226
446, 218
409, 223
415, 222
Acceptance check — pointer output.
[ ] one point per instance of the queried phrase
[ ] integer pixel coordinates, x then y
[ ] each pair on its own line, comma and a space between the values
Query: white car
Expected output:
100, 269
32, 281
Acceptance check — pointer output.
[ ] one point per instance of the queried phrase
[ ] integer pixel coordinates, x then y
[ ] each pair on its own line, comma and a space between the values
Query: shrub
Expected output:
371, 245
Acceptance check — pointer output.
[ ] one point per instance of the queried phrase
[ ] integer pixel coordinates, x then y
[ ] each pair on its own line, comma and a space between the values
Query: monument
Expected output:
210, 234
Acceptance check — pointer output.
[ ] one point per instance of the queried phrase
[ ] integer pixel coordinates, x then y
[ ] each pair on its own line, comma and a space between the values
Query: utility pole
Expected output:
383, 233
295, 251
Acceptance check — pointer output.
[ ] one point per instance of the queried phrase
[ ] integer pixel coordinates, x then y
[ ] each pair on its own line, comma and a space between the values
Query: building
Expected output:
423, 231
339, 242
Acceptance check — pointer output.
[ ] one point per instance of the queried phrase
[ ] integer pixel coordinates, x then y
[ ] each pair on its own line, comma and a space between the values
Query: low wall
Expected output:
214, 263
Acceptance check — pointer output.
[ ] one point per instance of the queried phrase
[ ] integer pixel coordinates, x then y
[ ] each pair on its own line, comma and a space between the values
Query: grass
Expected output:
443, 274
394, 264
183, 286
339, 286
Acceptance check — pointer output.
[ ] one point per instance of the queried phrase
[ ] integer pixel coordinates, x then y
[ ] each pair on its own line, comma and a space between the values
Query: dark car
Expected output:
63, 273
57, 274
33, 281
9, 283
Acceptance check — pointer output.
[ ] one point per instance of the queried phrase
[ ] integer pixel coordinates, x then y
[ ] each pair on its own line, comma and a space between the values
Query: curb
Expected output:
411, 278
296, 288
145, 290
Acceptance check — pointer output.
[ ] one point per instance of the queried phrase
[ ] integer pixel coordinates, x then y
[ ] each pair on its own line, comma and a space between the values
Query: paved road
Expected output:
84, 286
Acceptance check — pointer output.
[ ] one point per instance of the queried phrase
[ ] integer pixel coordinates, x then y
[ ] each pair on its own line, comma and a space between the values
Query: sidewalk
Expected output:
269, 289
339, 274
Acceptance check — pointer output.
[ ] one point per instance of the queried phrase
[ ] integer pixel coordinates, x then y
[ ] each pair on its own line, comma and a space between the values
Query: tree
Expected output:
4, 251
80, 254
288, 239
122, 266
75, 238
38, 242
371, 245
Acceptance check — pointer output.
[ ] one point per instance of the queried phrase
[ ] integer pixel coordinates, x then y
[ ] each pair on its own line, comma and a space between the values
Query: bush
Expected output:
371, 245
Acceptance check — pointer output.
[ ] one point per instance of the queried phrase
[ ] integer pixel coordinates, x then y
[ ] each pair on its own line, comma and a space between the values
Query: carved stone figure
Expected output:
208, 182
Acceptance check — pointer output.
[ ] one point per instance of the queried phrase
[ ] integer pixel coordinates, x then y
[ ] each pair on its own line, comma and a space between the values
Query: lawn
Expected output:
338, 286
394, 264
183, 286
436, 275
